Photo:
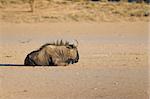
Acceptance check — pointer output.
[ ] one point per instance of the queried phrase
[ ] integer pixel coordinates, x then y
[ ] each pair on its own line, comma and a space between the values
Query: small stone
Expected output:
116, 83
24, 90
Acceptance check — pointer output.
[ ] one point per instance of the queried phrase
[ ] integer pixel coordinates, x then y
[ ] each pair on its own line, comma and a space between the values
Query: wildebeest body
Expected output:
52, 54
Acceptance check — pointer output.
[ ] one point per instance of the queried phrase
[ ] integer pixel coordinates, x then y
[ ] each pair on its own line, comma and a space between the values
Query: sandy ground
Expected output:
113, 61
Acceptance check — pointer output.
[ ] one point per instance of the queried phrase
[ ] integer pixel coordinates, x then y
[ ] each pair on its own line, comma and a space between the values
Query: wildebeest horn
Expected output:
77, 43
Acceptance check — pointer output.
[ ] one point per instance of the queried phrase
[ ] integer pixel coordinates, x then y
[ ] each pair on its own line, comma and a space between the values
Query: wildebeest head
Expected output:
73, 52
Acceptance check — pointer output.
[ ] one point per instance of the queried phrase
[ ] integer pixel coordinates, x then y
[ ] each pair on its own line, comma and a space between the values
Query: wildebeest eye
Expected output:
70, 46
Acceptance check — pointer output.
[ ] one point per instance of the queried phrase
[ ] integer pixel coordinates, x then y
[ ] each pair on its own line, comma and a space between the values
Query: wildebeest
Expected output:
53, 54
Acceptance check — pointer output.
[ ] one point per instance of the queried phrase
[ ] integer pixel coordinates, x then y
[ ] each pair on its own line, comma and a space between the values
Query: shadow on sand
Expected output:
22, 65
12, 65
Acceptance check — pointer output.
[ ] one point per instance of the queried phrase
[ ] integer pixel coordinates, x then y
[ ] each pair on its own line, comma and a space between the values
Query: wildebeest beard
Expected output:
53, 54
72, 61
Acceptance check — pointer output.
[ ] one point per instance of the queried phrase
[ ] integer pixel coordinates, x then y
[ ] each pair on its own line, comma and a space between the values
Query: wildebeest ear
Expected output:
76, 44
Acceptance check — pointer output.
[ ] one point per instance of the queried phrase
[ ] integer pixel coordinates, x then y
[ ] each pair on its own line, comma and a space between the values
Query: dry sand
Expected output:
113, 61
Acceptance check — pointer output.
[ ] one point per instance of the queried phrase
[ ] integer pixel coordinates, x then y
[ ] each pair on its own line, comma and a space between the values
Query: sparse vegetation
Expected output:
54, 11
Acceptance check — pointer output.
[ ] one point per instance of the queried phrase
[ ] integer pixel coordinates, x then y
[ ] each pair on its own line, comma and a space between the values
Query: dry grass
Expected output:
60, 11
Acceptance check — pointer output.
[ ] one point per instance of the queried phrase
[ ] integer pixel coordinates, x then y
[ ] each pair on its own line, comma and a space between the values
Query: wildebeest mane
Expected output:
57, 43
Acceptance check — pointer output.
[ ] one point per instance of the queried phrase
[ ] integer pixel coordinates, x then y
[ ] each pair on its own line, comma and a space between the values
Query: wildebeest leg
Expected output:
58, 62
50, 62
61, 64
